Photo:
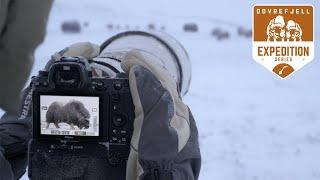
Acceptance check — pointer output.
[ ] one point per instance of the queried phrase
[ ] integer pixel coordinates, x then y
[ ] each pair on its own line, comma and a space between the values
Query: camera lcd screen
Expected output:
69, 115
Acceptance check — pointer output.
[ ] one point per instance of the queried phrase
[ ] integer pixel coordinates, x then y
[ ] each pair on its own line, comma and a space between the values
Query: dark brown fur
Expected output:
72, 113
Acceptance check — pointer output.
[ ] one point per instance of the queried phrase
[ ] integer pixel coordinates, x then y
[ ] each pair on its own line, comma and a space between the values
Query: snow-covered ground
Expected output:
252, 125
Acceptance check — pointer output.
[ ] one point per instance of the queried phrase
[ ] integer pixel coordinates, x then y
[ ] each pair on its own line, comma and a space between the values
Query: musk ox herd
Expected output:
73, 113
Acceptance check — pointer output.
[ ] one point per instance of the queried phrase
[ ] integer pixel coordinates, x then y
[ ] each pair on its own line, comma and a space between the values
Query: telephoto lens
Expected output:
155, 46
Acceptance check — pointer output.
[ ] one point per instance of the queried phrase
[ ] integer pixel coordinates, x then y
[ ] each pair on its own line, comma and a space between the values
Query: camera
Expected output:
82, 124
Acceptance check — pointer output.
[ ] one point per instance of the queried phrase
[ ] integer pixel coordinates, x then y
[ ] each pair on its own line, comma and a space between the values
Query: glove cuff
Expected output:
156, 170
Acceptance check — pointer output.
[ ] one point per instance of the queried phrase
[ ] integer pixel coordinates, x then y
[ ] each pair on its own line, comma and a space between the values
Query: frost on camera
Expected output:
69, 115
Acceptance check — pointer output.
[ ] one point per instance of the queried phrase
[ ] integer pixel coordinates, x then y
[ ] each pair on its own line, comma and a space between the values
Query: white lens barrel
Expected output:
158, 47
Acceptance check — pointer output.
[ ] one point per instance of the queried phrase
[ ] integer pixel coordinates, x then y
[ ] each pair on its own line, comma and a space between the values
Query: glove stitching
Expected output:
183, 117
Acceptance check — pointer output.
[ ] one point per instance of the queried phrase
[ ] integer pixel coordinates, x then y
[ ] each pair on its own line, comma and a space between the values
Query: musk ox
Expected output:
247, 33
71, 27
220, 34
190, 27
73, 113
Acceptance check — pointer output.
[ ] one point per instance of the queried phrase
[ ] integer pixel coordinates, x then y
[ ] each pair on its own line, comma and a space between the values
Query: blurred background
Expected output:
252, 125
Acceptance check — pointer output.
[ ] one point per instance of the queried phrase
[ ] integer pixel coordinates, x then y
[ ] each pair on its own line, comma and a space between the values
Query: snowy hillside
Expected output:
252, 125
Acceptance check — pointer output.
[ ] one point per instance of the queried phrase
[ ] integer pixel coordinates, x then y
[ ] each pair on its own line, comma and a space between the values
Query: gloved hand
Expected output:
15, 131
164, 144
84, 49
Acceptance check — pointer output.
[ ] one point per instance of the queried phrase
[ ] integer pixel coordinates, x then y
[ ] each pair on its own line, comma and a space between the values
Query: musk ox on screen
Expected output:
73, 113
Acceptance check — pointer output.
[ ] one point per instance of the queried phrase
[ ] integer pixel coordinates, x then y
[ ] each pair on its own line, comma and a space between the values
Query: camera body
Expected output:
82, 125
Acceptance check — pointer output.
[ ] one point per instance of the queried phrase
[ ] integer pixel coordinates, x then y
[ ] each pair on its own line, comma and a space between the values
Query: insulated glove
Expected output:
164, 145
84, 49
15, 132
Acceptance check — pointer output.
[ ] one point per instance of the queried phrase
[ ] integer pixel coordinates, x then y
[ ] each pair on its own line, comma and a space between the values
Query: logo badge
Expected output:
283, 37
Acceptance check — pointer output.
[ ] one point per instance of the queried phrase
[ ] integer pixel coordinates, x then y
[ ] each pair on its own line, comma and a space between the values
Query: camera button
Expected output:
118, 120
124, 139
123, 132
99, 85
45, 84
115, 97
115, 131
37, 83
115, 107
117, 85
